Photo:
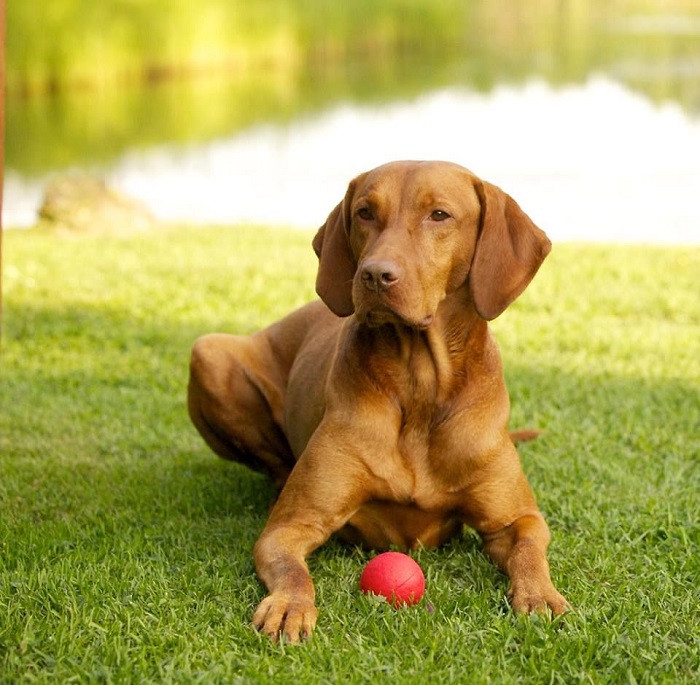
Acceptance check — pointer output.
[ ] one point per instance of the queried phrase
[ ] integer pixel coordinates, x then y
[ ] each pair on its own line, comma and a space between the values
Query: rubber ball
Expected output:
395, 576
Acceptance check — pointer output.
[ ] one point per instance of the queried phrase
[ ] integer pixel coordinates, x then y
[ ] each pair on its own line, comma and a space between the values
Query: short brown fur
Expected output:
381, 411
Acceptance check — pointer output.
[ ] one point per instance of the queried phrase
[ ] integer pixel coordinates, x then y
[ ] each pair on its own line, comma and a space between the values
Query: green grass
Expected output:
125, 545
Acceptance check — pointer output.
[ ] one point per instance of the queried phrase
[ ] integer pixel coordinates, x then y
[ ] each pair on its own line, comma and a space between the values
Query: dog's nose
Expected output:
380, 274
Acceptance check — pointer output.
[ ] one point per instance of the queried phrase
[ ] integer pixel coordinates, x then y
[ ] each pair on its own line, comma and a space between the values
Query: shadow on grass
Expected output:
98, 452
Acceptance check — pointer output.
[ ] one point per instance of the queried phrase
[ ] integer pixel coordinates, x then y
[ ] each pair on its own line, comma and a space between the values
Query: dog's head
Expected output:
407, 234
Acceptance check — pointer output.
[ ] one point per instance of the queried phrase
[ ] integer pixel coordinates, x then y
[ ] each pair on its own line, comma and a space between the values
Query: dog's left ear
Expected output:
509, 251
336, 262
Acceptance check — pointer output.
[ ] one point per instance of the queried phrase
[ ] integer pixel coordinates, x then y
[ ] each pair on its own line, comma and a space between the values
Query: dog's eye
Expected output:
365, 213
439, 215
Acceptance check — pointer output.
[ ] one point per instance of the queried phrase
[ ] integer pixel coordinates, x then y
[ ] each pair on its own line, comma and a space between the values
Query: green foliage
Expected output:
69, 43
87, 81
77, 43
125, 545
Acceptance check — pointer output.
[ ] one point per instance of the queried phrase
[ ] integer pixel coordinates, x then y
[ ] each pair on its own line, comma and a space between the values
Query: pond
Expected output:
592, 124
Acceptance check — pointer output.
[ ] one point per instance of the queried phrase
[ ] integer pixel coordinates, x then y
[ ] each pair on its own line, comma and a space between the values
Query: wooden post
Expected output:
2, 134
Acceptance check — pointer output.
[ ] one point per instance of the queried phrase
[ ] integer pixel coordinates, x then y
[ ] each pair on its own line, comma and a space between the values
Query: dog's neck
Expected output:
435, 358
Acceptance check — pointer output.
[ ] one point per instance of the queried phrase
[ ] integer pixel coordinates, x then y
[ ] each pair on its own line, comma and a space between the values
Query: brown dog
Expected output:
381, 412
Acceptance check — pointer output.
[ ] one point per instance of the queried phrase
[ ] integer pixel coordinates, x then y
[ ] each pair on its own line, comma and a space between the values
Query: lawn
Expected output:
125, 544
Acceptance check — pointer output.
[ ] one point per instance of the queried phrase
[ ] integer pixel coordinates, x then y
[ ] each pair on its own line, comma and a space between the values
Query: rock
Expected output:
84, 204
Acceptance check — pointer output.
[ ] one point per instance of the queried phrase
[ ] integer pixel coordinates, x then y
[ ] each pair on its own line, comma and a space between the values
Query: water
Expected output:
596, 133
587, 162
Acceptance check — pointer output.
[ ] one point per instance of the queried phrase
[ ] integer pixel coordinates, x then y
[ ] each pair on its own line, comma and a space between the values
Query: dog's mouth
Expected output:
382, 315
392, 305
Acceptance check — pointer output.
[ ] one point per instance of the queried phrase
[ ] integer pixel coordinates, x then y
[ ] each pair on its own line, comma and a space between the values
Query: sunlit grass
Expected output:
125, 545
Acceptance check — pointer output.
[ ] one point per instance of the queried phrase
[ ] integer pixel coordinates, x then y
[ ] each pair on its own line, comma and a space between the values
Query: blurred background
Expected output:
226, 111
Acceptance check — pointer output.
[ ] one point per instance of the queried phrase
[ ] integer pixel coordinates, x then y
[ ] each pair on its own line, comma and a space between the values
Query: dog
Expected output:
380, 411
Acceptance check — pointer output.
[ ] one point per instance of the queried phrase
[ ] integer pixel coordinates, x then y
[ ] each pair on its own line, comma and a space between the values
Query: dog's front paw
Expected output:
281, 617
528, 598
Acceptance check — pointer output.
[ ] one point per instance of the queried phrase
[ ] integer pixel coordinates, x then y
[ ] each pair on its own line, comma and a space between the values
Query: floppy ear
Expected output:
509, 251
336, 262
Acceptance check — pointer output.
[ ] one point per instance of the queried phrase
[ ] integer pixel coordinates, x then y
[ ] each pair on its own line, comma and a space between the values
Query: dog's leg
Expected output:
520, 550
503, 510
236, 407
324, 490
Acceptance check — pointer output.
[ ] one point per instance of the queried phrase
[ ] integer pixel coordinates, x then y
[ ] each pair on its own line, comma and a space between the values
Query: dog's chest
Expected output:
431, 463
429, 449
431, 455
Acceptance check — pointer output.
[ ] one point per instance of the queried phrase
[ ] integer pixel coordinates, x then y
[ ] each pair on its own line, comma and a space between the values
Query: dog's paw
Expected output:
528, 600
283, 618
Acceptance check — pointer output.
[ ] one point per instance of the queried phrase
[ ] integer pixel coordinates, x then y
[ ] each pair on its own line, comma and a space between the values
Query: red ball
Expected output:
395, 576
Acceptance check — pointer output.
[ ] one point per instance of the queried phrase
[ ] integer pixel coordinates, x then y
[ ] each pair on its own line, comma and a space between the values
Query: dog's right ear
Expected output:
509, 251
336, 262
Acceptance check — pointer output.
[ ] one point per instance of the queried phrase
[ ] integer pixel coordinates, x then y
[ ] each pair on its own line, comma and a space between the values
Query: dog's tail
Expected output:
524, 435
